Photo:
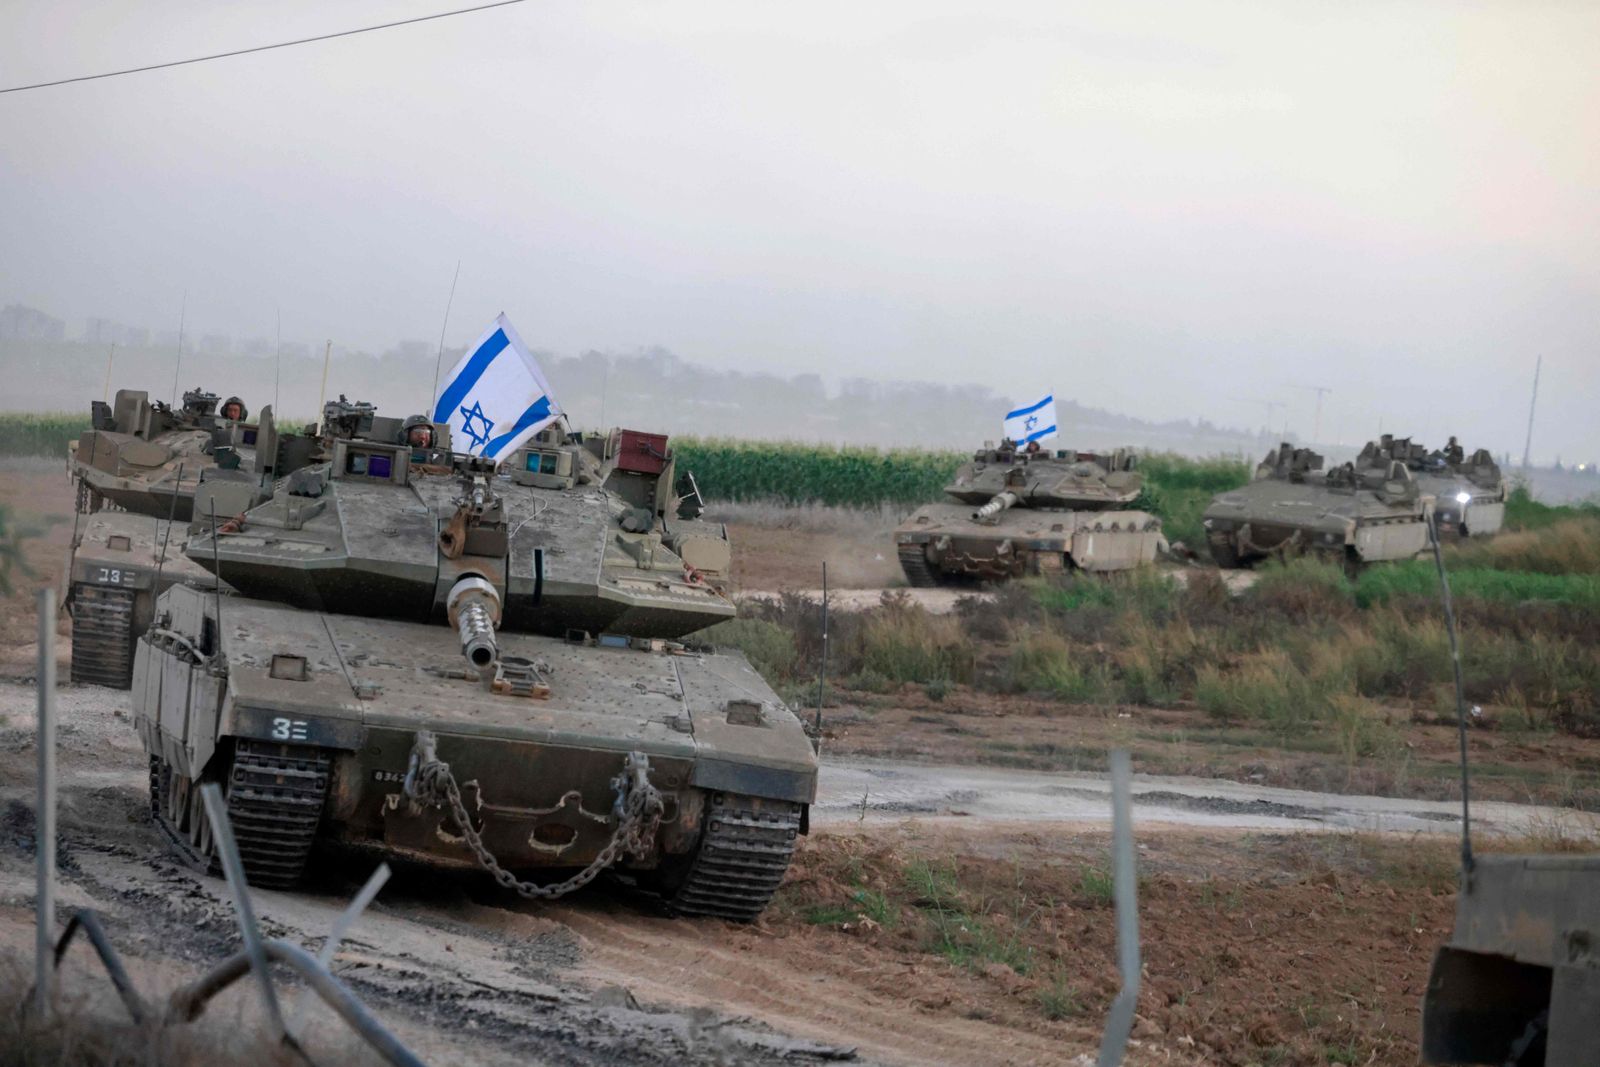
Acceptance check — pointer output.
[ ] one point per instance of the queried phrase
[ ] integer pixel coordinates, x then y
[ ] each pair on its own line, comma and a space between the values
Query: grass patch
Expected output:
1420, 579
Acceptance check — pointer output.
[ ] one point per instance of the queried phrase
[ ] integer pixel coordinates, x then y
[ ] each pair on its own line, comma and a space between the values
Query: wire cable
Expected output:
262, 47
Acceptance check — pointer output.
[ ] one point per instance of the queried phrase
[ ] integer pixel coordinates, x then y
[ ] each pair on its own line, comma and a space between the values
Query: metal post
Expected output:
341, 927
1461, 699
233, 869
44, 814
1119, 1020
822, 672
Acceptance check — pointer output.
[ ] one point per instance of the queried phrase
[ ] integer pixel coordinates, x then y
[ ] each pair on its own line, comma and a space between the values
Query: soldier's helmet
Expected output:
233, 408
417, 432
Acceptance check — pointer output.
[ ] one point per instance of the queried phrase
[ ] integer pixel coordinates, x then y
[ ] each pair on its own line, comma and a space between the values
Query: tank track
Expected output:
275, 797
914, 561
102, 636
742, 858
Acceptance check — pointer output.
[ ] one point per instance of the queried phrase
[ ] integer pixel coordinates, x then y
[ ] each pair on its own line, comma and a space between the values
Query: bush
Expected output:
1045, 662
1302, 590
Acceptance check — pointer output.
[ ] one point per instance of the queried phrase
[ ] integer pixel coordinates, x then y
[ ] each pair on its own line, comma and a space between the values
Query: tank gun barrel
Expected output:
474, 610
995, 506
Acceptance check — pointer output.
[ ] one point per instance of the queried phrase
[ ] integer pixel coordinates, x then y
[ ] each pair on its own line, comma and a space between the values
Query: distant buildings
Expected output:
22, 323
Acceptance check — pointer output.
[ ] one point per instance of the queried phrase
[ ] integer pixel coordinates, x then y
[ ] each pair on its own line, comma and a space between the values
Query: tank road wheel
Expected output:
914, 561
1226, 554
741, 859
275, 795
102, 636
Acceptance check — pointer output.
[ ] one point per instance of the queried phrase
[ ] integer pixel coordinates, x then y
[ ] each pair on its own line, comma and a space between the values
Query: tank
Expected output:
140, 470
136, 471
1469, 491
468, 668
1011, 512
1366, 511
1519, 980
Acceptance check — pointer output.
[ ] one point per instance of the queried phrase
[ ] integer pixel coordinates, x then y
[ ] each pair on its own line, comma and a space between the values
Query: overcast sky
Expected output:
1170, 210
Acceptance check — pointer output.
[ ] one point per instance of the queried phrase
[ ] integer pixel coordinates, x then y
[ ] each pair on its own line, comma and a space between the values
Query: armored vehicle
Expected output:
464, 669
1012, 512
1470, 491
1519, 981
1361, 512
146, 458
140, 471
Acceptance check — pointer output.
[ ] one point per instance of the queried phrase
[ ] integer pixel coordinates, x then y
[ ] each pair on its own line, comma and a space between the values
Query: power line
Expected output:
262, 48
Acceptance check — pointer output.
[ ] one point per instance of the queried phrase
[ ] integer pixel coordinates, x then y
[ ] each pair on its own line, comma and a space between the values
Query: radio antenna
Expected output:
172, 517
433, 397
277, 370
176, 366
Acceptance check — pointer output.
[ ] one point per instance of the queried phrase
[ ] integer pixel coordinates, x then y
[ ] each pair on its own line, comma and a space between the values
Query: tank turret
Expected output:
1017, 512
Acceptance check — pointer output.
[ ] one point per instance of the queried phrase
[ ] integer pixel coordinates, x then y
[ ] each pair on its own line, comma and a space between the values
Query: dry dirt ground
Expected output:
939, 914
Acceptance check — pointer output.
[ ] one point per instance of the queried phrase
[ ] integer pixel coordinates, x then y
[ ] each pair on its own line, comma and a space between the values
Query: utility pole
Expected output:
1271, 405
1321, 391
1527, 446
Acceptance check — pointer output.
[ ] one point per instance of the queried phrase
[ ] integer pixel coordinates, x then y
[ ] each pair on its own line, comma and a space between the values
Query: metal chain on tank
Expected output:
637, 808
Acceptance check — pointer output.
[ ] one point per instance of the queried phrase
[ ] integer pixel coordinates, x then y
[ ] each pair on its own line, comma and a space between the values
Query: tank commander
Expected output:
418, 434
233, 410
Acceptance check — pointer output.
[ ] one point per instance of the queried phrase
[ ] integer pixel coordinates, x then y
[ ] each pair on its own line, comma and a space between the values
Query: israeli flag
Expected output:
1036, 422
496, 397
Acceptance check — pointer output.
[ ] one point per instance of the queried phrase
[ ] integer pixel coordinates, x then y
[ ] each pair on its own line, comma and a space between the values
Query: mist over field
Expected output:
1188, 215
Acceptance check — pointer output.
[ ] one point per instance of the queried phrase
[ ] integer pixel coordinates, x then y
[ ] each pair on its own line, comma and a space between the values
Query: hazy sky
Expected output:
1159, 208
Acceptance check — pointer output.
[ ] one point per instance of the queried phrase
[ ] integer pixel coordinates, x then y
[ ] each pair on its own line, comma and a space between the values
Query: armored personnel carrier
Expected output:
1469, 491
1013, 512
439, 663
1361, 512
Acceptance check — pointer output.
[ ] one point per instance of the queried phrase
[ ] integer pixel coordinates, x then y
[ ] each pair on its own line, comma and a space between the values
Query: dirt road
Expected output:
461, 971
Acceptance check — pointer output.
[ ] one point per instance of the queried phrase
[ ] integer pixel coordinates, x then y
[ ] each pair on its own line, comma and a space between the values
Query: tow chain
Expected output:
637, 809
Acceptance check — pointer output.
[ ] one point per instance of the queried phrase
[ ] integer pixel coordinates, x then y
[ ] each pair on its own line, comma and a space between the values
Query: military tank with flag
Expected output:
1021, 509
472, 659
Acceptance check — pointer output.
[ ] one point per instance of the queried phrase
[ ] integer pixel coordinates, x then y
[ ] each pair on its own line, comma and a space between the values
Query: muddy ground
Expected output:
950, 906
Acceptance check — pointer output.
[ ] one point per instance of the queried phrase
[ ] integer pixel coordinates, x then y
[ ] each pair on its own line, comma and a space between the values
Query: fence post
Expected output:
44, 815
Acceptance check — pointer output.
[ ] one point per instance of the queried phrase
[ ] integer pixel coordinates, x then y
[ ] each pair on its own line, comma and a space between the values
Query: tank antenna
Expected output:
172, 516
322, 397
111, 355
1527, 445
277, 369
183, 310
433, 397
1461, 696
216, 567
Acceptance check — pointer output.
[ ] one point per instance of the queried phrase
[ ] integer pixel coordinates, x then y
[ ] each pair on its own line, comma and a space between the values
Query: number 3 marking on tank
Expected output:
288, 729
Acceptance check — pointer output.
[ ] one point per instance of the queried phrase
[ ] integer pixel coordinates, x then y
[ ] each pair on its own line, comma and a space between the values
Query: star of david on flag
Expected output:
1033, 422
496, 397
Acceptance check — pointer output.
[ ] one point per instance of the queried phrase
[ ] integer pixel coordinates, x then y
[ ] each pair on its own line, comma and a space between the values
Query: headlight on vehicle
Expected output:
1463, 498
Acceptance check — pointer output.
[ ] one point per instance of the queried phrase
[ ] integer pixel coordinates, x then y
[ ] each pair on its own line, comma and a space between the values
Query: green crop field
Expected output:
23, 434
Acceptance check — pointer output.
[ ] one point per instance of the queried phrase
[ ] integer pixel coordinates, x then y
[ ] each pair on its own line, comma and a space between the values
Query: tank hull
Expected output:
942, 542
537, 772
1270, 518
115, 571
